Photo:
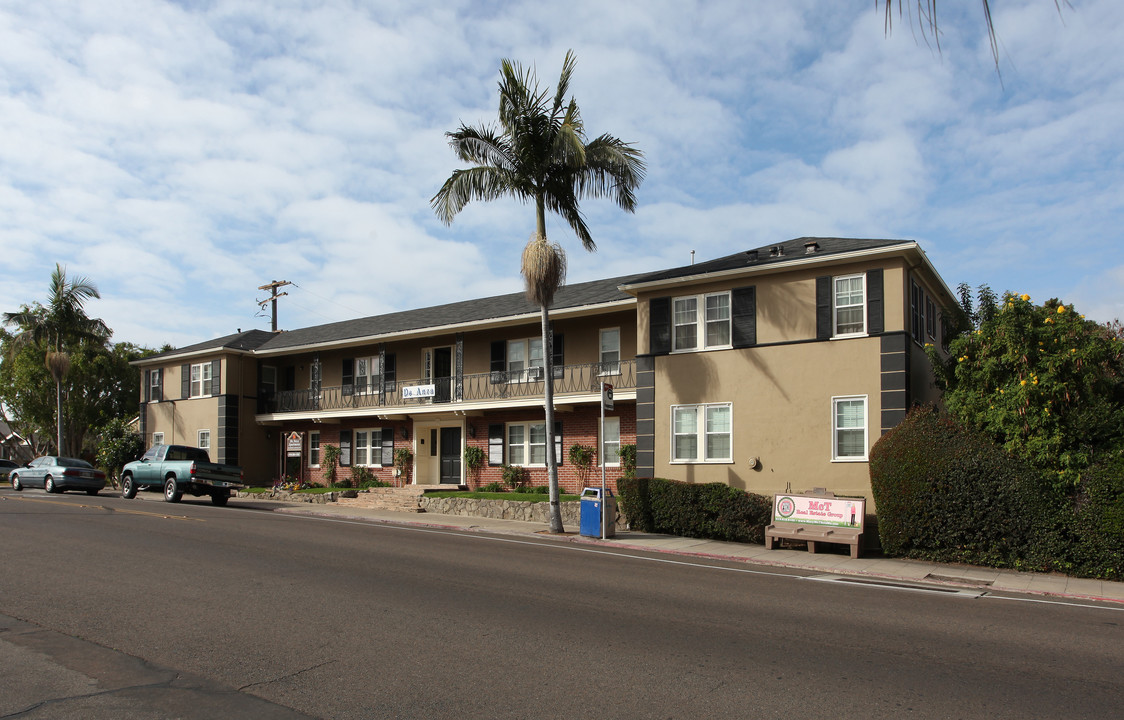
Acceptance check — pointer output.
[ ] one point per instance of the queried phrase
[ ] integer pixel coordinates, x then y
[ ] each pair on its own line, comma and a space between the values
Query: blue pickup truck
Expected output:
179, 469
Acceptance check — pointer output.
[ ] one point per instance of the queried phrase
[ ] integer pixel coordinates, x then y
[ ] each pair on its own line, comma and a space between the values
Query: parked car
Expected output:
6, 466
179, 469
58, 474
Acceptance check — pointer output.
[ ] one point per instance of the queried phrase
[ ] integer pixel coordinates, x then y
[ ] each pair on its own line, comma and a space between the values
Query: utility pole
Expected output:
273, 295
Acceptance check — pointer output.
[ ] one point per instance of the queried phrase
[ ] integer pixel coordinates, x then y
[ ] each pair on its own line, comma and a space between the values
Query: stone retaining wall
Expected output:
284, 496
501, 509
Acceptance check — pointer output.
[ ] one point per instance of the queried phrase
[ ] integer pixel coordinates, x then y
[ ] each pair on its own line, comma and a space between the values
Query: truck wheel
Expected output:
128, 489
16, 484
49, 485
172, 493
219, 497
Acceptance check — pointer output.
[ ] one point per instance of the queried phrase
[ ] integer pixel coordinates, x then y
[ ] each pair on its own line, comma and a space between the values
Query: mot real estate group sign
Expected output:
805, 510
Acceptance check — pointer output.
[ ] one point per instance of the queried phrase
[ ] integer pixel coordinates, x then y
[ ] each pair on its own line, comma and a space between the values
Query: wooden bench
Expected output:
817, 516
812, 535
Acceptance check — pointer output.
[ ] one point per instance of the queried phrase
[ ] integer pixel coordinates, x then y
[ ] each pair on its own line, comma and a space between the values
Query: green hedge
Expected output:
711, 510
944, 492
1096, 525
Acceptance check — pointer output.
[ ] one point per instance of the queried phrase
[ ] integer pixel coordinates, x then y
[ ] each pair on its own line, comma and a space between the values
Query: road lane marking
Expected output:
109, 509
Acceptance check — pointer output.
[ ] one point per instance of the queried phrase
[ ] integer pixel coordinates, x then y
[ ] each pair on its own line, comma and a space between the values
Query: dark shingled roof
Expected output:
490, 308
248, 340
789, 250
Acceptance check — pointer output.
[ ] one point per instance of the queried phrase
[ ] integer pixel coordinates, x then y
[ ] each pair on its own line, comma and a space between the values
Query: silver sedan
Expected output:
58, 474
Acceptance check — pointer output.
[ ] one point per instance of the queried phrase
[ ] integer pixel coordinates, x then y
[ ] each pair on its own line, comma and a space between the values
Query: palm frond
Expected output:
568, 65
481, 146
478, 183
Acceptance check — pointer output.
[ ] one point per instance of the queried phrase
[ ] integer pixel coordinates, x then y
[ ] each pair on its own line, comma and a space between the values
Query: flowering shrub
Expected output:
1040, 380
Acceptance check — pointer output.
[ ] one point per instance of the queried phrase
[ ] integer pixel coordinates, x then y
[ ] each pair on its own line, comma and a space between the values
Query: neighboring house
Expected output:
769, 369
13, 446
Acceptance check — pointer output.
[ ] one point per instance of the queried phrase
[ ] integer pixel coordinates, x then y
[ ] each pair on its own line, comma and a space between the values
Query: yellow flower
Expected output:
1022, 382
1024, 296
1061, 309
1073, 350
1000, 391
1049, 320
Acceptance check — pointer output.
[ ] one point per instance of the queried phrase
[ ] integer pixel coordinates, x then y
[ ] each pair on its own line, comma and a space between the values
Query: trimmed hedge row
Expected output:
711, 510
945, 492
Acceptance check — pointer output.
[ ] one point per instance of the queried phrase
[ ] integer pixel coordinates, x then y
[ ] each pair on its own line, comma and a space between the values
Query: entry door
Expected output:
450, 456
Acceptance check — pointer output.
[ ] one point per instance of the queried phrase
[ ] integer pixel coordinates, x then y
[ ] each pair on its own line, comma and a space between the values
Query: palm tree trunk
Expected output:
548, 401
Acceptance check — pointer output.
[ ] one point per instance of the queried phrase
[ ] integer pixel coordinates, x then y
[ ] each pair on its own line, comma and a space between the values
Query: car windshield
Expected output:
73, 462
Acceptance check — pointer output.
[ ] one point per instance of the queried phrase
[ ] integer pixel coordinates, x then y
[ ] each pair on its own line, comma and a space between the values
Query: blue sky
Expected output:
182, 154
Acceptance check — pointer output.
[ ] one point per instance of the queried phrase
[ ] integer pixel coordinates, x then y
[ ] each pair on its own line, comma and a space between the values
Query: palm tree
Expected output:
539, 154
61, 322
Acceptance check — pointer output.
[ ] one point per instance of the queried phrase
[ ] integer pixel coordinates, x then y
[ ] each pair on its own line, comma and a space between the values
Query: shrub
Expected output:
515, 476
474, 461
538, 490
945, 492
1097, 523
581, 457
492, 487
361, 475
628, 460
710, 510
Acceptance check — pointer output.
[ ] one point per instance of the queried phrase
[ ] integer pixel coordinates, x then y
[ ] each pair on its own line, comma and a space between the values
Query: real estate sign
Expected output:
805, 510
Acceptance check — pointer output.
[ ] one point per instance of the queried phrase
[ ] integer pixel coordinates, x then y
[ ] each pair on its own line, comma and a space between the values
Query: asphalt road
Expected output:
138, 609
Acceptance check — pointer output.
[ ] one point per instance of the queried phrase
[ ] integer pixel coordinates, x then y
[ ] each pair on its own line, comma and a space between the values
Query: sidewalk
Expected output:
875, 568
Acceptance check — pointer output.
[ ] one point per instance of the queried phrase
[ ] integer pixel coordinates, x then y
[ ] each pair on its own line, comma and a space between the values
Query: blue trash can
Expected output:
592, 506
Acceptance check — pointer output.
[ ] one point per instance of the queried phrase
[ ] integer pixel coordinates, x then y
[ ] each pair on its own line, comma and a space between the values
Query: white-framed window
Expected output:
201, 380
525, 360
367, 447
848, 428
849, 305
711, 311
314, 448
702, 433
157, 438
368, 375
203, 440
610, 352
526, 444
611, 443
156, 385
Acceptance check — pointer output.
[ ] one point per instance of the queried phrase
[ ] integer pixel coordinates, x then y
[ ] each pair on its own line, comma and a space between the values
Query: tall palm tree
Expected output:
539, 154
62, 321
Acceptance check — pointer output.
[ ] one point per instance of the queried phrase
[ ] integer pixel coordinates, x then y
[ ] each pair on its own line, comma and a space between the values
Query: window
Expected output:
848, 428
368, 447
702, 433
201, 380
715, 322
611, 351
156, 386
204, 442
611, 442
849, 305
314, 449
525, 360
157, 438
917, 311
526, 443
930, 319
368, 375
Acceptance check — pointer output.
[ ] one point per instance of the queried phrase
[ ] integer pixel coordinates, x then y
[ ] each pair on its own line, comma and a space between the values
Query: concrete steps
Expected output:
396, 499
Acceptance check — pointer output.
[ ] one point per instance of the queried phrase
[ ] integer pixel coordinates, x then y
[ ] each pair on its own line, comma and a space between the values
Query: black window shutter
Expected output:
216, 376
387, 447
495, 445
558, 356
499, 362
390, 372
347, 376
558, 442
875, 304
743, 302
185, 381
823, 308
345, 448
659, 326
147, 380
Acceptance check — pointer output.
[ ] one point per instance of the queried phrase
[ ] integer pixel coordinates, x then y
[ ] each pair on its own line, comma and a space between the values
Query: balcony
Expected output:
480, 388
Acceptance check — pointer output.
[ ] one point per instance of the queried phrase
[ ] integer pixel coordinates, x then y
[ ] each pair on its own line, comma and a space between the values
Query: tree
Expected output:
539, 155
58, 328
118, 444
1040, 380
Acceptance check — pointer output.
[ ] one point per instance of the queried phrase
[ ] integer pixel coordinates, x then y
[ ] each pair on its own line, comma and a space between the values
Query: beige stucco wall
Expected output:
782, 412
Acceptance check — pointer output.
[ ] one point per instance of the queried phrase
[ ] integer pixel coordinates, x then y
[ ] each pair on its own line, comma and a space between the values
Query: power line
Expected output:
273, 295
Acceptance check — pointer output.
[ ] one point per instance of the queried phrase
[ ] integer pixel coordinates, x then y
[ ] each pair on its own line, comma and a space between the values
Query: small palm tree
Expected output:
539, 154
62, 321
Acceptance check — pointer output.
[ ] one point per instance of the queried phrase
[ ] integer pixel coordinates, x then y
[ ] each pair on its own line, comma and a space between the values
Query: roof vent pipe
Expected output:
811, 246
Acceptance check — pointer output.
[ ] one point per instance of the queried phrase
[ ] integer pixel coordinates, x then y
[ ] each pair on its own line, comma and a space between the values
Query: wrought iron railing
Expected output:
477, 387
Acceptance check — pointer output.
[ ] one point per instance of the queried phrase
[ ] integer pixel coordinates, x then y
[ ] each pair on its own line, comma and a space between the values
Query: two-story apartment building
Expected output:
769, 369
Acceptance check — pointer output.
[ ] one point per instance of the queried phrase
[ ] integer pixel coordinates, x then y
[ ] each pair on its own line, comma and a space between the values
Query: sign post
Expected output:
606, 404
